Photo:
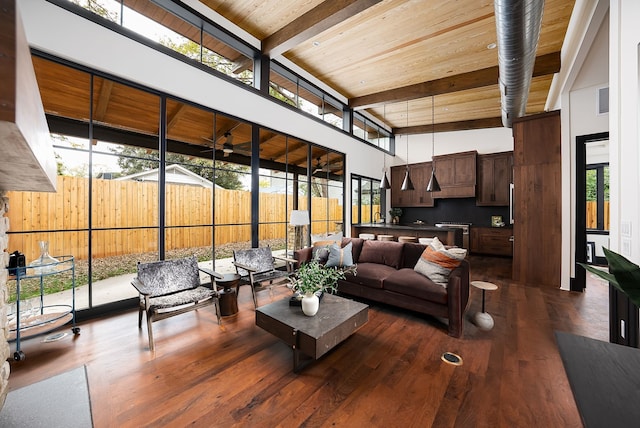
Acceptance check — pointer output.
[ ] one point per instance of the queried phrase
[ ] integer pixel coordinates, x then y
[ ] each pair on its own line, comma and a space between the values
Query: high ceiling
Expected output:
389, 57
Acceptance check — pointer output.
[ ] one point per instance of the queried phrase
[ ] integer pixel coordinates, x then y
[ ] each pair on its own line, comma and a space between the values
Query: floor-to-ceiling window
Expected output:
144, 176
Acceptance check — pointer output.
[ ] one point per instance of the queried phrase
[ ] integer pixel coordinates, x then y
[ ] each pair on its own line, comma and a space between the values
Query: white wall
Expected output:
624, 96
483, 140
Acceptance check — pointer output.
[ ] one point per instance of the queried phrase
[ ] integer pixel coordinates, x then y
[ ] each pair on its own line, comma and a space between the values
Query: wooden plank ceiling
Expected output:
387, 57
390, 56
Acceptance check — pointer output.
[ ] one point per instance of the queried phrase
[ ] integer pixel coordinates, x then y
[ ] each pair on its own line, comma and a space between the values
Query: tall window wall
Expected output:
143, 176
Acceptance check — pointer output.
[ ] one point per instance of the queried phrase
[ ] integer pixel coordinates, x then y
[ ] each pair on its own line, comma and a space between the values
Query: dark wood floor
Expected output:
388, 374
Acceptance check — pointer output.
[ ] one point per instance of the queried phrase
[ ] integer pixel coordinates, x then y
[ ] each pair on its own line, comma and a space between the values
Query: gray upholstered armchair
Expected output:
256, 268
172, 287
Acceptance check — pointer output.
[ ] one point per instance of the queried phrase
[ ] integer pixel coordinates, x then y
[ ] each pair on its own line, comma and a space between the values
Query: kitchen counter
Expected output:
448, 235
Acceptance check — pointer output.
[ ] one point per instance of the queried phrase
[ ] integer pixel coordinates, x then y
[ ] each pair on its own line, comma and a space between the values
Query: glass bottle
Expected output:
45, 263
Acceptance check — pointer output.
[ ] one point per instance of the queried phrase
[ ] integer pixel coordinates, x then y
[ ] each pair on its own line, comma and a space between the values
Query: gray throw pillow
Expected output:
339, 257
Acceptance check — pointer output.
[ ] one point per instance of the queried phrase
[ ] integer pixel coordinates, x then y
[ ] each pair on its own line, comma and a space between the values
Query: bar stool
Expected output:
407, 239
368, 236
386, 238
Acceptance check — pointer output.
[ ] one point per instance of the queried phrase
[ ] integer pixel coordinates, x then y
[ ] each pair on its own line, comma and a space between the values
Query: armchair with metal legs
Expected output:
256, 268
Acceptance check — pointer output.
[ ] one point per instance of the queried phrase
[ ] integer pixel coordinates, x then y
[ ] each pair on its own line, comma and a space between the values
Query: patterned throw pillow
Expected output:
339, 257
437, 262
320, 251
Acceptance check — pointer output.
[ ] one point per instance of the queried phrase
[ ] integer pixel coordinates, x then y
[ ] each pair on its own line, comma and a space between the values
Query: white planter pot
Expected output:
310, 304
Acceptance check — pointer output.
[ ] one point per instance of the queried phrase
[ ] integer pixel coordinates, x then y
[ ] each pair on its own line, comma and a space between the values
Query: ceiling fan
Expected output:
228, 147
326, 167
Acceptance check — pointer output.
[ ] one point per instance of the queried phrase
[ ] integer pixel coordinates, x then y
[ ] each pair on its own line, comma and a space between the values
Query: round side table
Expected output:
483, 320
228, 296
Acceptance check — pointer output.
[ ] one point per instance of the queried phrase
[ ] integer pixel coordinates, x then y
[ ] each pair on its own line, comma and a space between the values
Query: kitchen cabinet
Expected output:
456, 174
496, 241
494, 177
537, 178
419, 197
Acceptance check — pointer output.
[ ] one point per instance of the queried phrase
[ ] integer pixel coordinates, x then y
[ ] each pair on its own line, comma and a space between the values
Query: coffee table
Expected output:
337, 319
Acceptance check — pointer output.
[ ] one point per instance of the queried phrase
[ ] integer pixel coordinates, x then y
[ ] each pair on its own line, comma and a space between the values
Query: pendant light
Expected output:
407, 184
433, 185
384, 182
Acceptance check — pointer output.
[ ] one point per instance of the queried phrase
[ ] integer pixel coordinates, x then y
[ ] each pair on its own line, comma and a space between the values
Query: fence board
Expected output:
131, 204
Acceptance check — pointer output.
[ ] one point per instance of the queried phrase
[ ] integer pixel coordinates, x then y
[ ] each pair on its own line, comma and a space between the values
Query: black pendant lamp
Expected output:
384, 182
407, 184
433, 185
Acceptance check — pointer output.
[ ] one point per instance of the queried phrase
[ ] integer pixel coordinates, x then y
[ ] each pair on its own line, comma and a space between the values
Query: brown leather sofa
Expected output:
385, 274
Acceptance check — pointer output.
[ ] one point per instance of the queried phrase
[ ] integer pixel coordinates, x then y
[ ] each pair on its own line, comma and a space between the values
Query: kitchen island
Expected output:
447, 235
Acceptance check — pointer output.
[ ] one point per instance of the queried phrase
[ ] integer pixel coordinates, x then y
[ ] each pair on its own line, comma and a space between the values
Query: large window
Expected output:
295, 91
367, 204
143, 176
184, 32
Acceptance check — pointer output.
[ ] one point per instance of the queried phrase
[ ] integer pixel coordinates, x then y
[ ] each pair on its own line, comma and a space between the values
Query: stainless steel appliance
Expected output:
465, 230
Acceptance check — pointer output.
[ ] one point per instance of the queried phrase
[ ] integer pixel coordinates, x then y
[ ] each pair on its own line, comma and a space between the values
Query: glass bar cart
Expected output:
28, 322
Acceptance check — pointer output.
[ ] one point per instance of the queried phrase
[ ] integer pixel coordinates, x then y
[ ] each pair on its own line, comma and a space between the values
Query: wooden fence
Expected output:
127, 213
592, 215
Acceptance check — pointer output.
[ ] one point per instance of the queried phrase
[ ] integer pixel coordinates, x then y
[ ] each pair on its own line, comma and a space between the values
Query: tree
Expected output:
135, 159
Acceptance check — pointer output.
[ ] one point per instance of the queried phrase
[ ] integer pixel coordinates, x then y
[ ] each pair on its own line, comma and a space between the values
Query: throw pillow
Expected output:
320, 251
437, 262
339, 257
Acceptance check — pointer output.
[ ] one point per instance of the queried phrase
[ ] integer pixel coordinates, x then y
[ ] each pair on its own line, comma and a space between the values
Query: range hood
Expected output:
28, 161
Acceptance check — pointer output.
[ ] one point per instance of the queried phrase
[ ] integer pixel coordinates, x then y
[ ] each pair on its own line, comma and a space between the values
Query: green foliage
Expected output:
312, 277
227, 175
395, 212
623, 274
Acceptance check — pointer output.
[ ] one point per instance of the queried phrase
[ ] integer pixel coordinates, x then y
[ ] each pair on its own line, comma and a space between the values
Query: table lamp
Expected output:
299, 219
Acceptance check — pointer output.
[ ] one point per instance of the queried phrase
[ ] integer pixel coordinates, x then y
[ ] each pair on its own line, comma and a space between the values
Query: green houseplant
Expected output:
313, 279
623, 274
395, 214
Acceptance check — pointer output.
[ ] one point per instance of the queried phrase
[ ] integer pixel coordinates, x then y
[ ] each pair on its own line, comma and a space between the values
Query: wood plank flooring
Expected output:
388, 374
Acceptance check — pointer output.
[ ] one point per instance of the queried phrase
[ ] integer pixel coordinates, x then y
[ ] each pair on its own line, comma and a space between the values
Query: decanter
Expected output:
45, 263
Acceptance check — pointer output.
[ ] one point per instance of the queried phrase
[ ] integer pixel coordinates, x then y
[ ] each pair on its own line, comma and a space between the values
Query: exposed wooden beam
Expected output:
320, 18
173, 118
103, 99
545, 64
490, 122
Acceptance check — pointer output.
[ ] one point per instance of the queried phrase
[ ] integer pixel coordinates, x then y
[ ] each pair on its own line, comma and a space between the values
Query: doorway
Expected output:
592, 203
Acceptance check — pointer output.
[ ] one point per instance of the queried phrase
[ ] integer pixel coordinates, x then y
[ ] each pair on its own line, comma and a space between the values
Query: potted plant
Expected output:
623, 274
395, 214
312, 279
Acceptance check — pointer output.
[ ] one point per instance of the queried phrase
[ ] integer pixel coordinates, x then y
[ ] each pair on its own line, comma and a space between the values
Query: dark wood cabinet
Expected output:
494, 177
456, 174
537, 227
494, 241
419, 197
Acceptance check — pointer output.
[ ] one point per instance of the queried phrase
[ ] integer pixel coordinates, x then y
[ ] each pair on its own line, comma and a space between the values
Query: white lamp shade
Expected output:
299, 218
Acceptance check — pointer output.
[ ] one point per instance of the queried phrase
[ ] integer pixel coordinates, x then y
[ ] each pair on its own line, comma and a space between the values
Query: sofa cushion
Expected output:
411, 283
371, 274
356, 248
382, 252
411, 254
437, 262
320, 251
339, 257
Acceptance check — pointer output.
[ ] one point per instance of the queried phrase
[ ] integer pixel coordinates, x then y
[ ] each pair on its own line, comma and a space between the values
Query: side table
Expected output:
228, 296
483, 320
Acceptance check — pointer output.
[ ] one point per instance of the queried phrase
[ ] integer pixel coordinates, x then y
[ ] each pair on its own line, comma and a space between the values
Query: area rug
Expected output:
604, 379
59, 401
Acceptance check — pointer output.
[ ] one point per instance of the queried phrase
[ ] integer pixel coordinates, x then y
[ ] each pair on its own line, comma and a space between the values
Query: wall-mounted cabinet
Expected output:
419, 197
495, 173
456, 174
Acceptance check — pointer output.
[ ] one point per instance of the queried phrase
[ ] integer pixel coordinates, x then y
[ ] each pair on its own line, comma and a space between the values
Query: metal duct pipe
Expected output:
518, 25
